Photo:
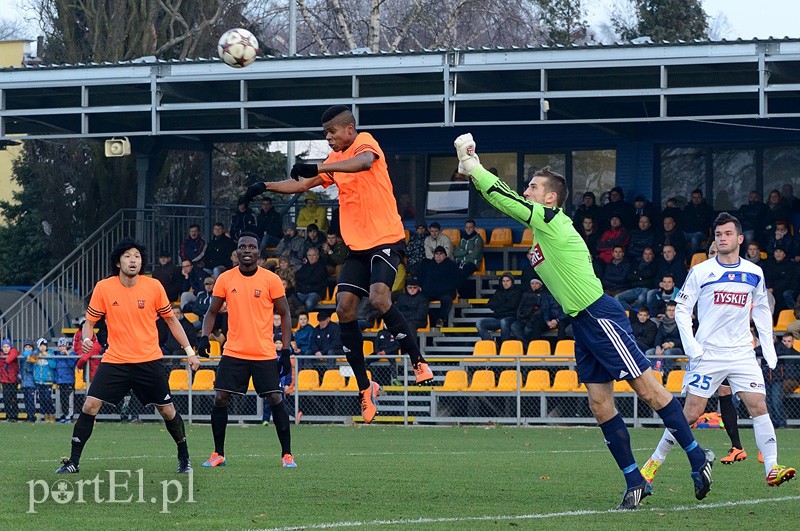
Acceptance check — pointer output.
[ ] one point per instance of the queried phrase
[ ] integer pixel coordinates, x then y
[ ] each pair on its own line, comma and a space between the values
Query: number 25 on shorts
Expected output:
701, 382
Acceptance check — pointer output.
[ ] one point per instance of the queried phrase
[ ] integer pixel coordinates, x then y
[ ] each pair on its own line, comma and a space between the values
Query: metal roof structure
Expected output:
201, 101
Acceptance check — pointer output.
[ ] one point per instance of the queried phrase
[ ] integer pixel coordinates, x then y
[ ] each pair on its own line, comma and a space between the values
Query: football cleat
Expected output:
184, 465
215, 460
367, 398
634, 496
734, 455
780, 474
68, 467
650, 468
702, 478
423, 373
288, 461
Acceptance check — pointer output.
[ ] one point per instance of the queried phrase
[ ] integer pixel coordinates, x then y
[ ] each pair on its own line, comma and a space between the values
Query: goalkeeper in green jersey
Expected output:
605, 349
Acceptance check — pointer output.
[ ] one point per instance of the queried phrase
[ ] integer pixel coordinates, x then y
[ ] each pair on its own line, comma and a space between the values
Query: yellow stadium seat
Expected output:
538, 349
312, 318
507, 381
352, 383
216, 349
565, 347
203, 380
659, 377
501, 237
784, 318
622, 386
331, 299
454, 380
454, 235
481, 267
80, 380
482, 233
332, 380
698, 258
408, 235
308, 380
191, 317
527, 238
427, 327
675, 381
369, 347
482, 381
565, 381
538, 380
250, 386
512, 347
484, 347
179, 380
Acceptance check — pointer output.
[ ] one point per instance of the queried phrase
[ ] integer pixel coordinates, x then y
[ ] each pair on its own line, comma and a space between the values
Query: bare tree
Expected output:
13, 30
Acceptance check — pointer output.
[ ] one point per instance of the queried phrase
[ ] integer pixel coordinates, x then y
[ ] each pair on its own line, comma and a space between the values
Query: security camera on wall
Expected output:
118, 147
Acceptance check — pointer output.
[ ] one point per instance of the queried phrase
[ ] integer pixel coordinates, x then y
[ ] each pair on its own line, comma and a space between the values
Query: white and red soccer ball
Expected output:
237, 47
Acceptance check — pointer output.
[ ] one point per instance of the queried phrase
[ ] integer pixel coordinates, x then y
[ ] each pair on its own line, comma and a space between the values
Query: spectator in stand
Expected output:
774, 379
193, 247
169, 345
312, 280
641, 279
218, 252
588, 208
293, 244
503, 303
90, 357
312, 213
779, 276
670, 262
671, 209
269, 224
642, 237
295, 305
754, 216
28, 360
285, 271
696, 222
616, 207
65, 380
193, 277
616, 235
439, 279
778, 210
405, 207
590, 234
332, 254
415, 249
753, 254
643, 207
791, 364
781, 238
789, 199
44, 377
314, 238
530, 322
169, 275
413, 303
615, 275
326, 341
366, 314
657, 299
468, 256
673, 237
242, 220
644, 329
9, 373
303, 334
668, 341
437, 239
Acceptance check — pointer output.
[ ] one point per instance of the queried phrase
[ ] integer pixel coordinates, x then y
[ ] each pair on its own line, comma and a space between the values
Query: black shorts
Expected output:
149, 381
361, 269
233, 376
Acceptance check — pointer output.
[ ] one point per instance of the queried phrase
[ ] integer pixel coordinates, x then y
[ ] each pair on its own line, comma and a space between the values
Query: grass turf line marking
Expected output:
534, 516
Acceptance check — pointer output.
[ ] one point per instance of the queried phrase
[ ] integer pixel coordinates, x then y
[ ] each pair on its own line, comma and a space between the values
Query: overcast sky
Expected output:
745, 18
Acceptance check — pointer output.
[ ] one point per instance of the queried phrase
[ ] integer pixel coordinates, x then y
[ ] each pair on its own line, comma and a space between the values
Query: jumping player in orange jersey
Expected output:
131, 303
374, 235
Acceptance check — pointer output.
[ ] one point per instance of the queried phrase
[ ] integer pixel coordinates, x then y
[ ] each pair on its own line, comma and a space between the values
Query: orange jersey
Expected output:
131, 315
250, 302
367, 209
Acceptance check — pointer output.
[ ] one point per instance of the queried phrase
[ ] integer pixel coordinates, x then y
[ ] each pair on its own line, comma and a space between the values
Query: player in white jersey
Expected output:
725, 288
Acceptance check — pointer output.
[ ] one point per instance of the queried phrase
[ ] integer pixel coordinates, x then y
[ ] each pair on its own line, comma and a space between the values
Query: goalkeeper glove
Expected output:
465, 149
203, 347
254, 190
304, 170
285, 363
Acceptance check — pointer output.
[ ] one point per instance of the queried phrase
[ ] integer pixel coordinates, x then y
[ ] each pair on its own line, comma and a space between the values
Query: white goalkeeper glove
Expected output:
467, 158
770, 357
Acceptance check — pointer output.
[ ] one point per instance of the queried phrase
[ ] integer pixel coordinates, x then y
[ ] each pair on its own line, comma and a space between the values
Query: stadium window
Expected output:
682, 170
780, 167
734, 176
447, 196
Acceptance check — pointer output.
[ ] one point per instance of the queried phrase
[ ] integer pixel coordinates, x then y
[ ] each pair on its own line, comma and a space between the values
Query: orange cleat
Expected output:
288, 461
760, 457
734, 456
423, 373
368, 396
215, 460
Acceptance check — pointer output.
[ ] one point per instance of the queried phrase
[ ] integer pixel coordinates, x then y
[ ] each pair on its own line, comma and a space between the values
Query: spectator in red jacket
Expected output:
616, 235
92, 357
9, 370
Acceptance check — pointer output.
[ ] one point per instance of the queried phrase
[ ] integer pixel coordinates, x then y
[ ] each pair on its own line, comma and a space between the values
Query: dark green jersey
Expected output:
558, 253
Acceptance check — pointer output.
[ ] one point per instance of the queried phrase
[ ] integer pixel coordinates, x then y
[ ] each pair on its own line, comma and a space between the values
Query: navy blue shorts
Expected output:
605, 348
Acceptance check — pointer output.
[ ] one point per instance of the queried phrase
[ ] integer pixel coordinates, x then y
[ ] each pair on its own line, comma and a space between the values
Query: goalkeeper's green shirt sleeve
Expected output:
558, 253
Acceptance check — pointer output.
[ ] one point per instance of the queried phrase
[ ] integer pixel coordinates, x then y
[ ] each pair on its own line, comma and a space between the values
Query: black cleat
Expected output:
68, 467
702, 478
184, 465
633, 497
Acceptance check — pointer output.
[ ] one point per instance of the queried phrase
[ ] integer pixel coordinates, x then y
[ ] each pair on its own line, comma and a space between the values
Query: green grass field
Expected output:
382, 477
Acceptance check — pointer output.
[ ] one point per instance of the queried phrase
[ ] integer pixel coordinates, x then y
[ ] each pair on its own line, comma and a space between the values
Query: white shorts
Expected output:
705, 374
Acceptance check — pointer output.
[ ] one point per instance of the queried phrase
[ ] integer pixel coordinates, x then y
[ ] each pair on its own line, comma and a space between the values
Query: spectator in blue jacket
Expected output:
44, 377
326, 340
65, 380
615, 275
303, 334
28, 359
503, 303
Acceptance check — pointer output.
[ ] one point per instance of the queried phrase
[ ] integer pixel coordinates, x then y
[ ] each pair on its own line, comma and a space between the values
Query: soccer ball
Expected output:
237, 47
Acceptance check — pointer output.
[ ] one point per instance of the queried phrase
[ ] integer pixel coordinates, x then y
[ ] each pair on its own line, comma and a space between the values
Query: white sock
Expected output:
666, 444
766, 440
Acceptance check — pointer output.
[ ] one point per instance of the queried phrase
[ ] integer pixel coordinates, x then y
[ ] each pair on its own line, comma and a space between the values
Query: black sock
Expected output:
353, 342
80, 434
398, 327
281, 419
176, 429
219, 422
730, 418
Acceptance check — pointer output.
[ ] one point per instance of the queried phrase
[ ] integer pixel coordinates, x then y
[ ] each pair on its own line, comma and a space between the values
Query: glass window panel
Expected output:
780, 167
734, 178
446, 196
592, 171
682, 170
405, 171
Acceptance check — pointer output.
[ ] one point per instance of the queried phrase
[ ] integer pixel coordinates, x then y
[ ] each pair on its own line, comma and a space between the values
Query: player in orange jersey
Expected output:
253, 295
374, 235
130, 303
